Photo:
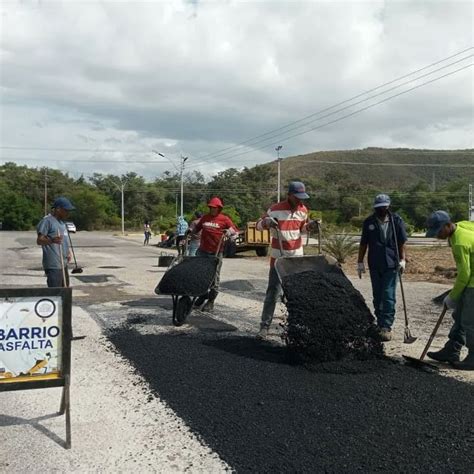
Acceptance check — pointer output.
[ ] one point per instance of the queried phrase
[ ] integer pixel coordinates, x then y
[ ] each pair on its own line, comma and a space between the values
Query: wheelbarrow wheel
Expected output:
184, 305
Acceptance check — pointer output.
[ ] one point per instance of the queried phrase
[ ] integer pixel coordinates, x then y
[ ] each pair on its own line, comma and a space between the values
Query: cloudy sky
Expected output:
106, 82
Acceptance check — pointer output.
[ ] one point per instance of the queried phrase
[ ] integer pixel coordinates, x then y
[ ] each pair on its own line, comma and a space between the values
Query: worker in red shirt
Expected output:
289, 218
213, 227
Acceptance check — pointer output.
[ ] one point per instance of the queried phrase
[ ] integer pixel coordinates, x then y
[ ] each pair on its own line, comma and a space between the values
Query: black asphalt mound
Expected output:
328, 319
261, 415
193, 276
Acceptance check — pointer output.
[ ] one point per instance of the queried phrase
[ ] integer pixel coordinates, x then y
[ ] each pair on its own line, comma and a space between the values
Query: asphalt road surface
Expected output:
207, 397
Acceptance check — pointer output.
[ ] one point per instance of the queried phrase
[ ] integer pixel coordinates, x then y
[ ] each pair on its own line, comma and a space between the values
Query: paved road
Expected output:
131, 416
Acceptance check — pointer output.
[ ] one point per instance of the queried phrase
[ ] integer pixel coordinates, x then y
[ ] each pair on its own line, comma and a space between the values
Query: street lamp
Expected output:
121, 189
180, 170
277, 149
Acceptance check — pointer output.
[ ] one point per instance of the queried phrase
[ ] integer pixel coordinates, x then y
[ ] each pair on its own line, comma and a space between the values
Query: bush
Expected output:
340, 246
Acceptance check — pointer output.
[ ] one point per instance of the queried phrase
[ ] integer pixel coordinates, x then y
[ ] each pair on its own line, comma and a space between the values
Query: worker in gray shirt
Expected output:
53, 238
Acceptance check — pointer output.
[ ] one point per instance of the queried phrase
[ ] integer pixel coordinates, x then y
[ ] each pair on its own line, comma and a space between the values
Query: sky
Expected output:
89, 86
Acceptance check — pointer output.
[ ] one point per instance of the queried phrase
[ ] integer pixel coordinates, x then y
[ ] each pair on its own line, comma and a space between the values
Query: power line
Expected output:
248, 142
421, 165
280, 140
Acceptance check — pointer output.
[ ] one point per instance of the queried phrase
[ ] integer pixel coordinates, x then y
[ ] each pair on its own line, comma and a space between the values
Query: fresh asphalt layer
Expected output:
231, 403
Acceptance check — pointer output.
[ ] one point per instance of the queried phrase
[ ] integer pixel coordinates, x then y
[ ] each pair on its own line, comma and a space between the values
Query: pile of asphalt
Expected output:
328, 319
262, 415
193, 276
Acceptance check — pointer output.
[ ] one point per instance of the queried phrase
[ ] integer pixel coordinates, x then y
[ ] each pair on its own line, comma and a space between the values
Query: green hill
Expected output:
398, 168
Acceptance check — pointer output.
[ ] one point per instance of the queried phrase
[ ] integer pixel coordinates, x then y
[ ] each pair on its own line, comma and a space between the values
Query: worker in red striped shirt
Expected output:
290, 219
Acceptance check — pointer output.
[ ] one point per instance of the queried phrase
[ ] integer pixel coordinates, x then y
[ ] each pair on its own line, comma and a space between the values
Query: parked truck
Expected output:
249, 238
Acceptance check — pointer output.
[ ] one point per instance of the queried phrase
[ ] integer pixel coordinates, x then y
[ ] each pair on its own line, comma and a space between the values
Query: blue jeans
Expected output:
384, 286
55, 277
274, 291
192, 248
462, 331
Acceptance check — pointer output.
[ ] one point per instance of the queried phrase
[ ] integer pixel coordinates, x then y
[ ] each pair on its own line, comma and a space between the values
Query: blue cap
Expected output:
298, 190
64, 203
435, 222
381, 200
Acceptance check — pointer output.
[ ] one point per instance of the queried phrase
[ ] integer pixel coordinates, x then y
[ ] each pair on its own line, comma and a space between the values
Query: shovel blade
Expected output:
420, 364
408, 338
77, 270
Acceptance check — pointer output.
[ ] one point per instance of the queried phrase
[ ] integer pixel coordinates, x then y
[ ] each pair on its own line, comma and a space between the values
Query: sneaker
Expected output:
385, 334
208, 307
451, 352
262, 334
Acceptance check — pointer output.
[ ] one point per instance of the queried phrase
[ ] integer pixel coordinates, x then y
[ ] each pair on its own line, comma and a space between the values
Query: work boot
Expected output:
385, 334
451, 352
208, 307
200, 301
262, 334
467, 363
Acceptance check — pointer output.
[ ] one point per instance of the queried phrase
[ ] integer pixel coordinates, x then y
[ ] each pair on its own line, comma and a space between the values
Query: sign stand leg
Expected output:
68, 413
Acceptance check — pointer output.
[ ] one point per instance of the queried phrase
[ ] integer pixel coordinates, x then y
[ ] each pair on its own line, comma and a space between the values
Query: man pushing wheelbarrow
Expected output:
213, 227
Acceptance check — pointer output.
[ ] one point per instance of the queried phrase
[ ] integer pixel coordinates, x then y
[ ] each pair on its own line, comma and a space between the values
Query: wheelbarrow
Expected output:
186, 279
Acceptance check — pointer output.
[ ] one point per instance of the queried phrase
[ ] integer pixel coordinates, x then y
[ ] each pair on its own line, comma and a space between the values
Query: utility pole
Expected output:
176, 196
121, 188
183, 160
45, 191
277, 149
471, 204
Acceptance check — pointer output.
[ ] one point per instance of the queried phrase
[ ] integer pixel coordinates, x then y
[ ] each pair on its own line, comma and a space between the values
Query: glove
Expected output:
313, 225
270, 223
360, 268
401, 265
449, 303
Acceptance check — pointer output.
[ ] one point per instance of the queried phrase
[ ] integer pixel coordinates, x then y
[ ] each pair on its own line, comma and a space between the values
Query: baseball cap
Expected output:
215, 202
435, 222
64, 203
298, 190
381, 200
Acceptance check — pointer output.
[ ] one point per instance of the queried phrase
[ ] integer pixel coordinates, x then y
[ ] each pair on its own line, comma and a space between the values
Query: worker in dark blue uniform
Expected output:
384, 234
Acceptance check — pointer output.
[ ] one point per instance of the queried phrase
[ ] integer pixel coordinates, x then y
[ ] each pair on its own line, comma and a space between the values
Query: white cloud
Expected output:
194, 78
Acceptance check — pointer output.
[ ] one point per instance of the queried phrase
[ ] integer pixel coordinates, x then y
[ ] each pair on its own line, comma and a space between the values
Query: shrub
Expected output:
340, 246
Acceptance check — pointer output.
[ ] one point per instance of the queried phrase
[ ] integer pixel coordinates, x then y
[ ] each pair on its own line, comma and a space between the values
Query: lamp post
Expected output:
121, 188
180, 170
277, 149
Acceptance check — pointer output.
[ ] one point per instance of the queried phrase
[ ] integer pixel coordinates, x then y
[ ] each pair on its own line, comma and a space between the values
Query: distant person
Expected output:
461, 298
195, 238
147, 232
213, 226
52, 236
289, 218
384, 234
181, 229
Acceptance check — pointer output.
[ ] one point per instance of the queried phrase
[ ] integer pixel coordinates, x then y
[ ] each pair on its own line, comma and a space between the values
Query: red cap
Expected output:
215, 202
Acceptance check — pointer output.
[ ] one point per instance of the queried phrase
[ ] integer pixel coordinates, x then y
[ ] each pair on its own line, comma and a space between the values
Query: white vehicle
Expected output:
71, 227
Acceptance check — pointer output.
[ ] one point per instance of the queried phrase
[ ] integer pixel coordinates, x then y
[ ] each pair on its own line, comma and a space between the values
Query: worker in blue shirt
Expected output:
384, 235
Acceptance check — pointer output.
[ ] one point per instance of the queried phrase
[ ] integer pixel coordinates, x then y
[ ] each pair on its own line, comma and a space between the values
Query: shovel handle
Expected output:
433, 334
403, 298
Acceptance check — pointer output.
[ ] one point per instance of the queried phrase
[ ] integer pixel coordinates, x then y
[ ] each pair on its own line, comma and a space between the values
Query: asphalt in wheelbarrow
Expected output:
328, 319
193, 277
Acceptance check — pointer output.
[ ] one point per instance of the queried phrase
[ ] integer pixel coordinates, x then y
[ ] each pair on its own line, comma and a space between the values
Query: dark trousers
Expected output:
54, 277
274, 292
462, 331
384, 286
180, 241
214, 290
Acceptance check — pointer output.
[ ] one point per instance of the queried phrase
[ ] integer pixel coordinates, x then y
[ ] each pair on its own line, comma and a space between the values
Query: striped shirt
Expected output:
291, 224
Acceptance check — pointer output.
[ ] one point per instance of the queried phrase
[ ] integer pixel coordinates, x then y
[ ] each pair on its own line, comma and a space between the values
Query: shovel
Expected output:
420, 363
76, 268
407, 337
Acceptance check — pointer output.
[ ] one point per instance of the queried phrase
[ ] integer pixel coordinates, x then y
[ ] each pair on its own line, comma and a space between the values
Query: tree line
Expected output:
337, 197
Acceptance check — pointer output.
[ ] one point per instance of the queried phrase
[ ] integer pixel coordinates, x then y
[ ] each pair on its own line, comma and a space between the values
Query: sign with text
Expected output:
35, 327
